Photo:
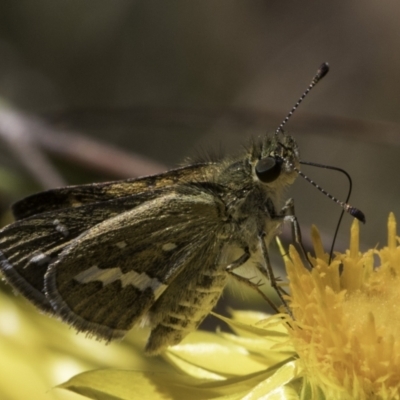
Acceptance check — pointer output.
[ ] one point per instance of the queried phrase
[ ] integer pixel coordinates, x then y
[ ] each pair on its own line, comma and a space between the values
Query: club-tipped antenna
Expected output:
344, 172
322, 71
353, 211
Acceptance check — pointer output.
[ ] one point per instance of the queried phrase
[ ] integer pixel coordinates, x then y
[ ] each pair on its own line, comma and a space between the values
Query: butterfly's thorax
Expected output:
246, 197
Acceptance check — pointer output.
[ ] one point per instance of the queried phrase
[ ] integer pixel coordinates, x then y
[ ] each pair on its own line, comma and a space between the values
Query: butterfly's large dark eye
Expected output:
268, 169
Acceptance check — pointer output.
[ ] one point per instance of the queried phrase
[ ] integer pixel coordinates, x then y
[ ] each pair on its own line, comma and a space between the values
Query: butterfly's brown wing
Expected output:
108, 278
76, 196
29, 246
47, 222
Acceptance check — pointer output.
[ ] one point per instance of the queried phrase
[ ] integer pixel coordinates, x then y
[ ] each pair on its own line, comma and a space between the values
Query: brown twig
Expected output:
28, 137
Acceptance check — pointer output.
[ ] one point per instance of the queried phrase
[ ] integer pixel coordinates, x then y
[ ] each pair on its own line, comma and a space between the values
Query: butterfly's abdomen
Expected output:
183, 307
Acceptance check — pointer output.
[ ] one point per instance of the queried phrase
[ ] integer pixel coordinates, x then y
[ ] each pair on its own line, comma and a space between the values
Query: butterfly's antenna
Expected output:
322, 71
346, 201
353, 211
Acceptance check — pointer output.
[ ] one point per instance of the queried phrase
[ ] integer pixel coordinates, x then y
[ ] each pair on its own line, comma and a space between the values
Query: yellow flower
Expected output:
347, 320
342, 344
256, 363
38, 353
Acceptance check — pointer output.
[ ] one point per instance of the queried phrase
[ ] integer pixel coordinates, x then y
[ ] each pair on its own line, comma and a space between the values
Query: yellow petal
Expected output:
214, 353
273, 388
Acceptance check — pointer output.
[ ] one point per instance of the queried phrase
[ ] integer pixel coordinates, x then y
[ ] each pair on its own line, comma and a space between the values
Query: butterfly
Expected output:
155, 251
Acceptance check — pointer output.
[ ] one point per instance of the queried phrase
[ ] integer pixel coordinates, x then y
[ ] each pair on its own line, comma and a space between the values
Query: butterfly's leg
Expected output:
296, 231
266, 270
240, 261
287, 214
254, 286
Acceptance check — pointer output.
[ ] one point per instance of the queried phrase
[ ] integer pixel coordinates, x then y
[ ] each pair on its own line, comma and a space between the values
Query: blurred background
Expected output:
167, 80
100, 90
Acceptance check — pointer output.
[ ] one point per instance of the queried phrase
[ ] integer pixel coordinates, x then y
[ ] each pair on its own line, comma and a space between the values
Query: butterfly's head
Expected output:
278, 157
